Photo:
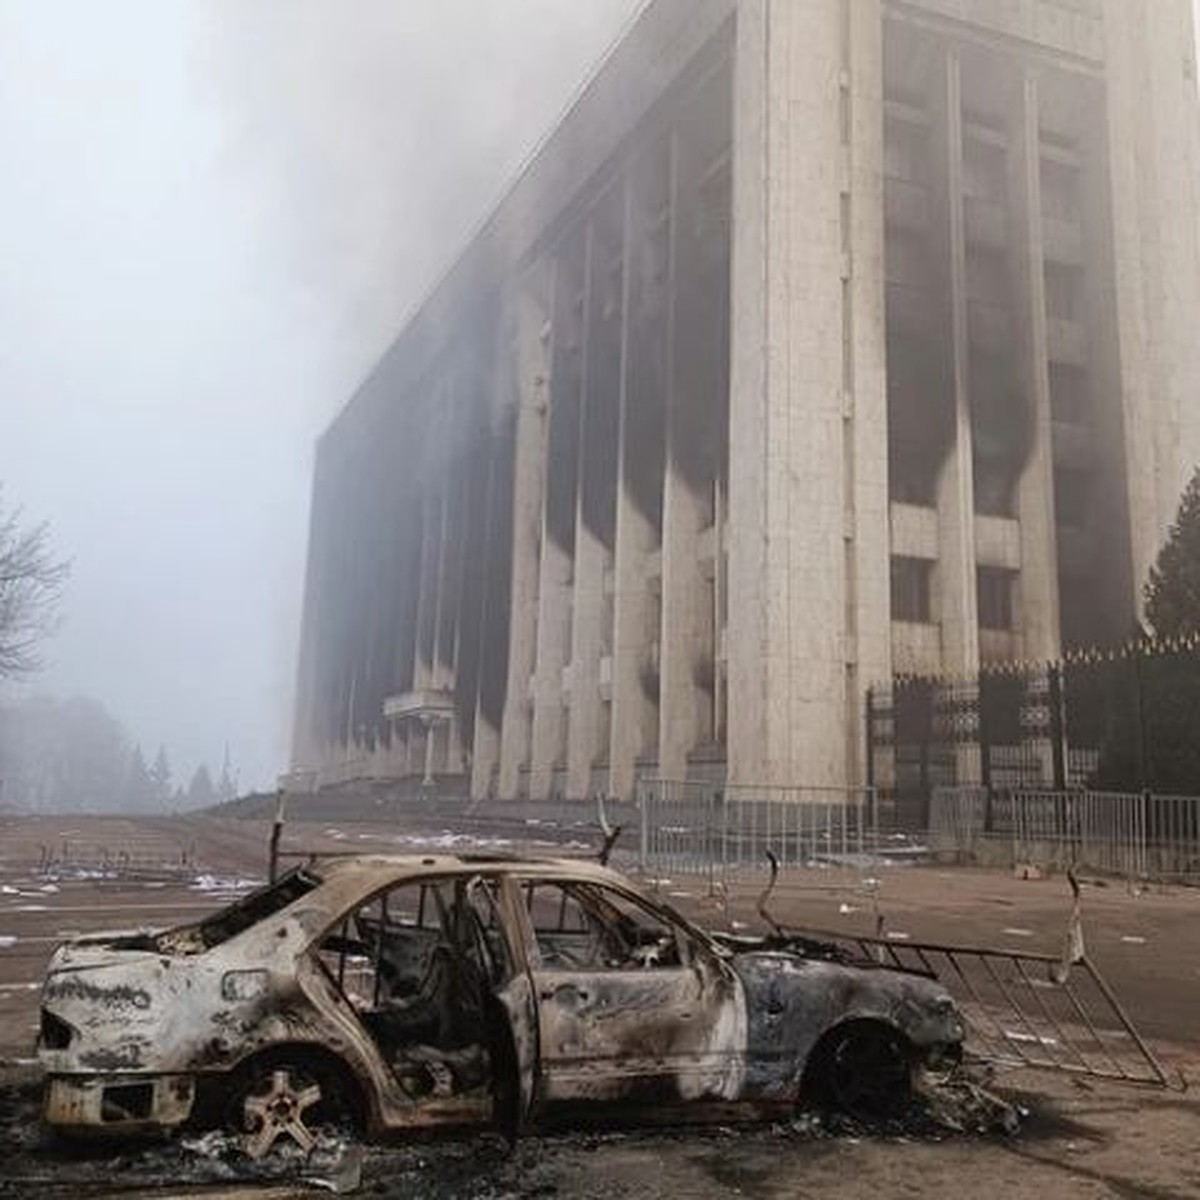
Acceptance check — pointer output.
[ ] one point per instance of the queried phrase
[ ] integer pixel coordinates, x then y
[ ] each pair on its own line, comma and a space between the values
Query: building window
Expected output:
995, 585
983, 170
987, 276
1060, 190
1069, 393
1071, 495
1064, 292
904, 152
912, 580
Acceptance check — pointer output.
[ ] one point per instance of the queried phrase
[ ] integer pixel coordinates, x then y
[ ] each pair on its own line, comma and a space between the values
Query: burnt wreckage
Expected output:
405, 993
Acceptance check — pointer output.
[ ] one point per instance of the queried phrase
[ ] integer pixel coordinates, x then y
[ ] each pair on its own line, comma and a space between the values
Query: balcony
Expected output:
427, 705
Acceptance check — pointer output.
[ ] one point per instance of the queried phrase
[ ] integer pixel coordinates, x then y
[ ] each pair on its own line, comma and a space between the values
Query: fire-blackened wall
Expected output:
814, 346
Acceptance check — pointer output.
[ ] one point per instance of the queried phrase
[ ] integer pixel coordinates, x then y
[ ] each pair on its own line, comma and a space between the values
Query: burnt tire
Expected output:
287, 1097
862, 1069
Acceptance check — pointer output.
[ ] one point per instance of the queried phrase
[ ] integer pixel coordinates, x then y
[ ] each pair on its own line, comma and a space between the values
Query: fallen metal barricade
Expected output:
1056, 1013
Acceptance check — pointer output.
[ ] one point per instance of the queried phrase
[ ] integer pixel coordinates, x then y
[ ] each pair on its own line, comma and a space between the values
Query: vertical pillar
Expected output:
1153, 179
587, 606
1040, 627
682, 590
486, 744
787, 576
956, 488
868, 587
632, 711
305, 738
527, 364
556, 570
427, 560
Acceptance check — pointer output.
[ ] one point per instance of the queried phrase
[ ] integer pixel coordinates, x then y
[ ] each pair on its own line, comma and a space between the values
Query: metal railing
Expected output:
1134, 835
1031, 1010
692, 828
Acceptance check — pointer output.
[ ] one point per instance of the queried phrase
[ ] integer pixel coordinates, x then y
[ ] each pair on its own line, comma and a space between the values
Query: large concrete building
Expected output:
824, 340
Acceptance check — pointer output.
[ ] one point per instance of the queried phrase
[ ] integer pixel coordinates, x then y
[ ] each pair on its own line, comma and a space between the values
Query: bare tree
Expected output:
31, 583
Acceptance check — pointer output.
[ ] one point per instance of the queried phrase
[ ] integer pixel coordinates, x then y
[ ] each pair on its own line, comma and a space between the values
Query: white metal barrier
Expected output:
1135, 835
692, 828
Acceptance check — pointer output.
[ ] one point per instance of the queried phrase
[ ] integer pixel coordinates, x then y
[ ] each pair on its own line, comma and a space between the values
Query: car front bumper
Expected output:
118, 1104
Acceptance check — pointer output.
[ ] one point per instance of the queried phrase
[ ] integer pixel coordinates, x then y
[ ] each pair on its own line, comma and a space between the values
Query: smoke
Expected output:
216, 215
376, 135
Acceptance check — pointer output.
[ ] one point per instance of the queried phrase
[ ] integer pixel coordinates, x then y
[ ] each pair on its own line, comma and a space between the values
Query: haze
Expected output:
215, 215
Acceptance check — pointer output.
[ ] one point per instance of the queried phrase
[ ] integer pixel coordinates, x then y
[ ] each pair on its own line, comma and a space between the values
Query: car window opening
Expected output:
417, 963
241, 914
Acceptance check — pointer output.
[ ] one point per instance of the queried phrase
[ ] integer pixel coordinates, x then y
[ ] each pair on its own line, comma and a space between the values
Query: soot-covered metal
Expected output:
395, 993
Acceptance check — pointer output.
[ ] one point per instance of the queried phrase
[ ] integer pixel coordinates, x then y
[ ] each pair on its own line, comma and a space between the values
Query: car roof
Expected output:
382, 868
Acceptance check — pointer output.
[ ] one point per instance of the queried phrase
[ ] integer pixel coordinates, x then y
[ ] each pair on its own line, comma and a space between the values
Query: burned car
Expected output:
400, 993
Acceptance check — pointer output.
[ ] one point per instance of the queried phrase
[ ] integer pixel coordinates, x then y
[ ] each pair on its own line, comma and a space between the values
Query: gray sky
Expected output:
215, 214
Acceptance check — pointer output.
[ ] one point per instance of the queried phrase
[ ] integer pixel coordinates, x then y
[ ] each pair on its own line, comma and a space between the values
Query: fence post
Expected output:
870, 736
644, 831
1058, 727
873, 800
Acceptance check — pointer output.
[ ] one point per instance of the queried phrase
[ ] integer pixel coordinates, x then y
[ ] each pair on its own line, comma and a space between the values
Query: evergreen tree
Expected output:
1173, 591
201, 793
160, 779
227, 784
138, 791
1168, 681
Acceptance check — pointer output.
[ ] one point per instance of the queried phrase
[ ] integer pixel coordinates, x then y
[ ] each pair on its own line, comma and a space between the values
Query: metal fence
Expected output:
1124, 720
1135, 835
691, 828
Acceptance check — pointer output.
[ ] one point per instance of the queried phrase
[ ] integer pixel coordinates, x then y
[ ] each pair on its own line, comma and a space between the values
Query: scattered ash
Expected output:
484, 1167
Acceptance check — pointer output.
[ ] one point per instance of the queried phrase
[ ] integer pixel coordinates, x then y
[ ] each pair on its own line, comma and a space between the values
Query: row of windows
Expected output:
912, 593
989, 277
907, 159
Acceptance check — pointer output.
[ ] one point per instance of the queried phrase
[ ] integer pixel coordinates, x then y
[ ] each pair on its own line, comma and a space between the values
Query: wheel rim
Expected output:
870, 1072
277, 1107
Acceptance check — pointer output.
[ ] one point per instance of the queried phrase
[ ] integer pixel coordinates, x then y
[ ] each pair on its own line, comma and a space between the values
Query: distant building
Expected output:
824, 340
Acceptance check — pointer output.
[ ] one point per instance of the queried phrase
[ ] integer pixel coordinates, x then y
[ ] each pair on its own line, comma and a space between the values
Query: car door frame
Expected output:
703, 1055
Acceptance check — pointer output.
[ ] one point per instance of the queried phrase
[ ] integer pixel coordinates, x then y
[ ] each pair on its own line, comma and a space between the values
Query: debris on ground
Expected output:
482, 1167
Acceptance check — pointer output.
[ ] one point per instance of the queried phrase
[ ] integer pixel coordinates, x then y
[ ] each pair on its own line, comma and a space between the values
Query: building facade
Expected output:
825, 340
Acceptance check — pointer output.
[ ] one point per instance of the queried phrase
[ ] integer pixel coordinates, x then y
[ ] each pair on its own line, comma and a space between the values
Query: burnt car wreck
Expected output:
396, 994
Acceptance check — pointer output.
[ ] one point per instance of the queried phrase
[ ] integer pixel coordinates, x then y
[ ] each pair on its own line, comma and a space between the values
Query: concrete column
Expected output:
527, 362
869, 647
632, 711
787, 569
682, 583
956, 489
1040, 628
485, 748
426, 598
305, 737
556, 568
409, 523
441, 609
588, 583
1154, 153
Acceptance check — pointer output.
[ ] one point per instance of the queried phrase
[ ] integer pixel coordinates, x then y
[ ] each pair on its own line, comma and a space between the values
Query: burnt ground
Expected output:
1077, 1138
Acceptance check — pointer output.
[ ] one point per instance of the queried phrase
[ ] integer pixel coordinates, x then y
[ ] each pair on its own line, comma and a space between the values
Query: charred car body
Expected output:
408, 993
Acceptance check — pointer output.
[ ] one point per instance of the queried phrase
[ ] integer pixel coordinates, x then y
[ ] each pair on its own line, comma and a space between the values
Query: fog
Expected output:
215, 215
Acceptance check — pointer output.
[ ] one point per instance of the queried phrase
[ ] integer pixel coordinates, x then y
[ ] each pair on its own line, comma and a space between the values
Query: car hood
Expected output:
788, 989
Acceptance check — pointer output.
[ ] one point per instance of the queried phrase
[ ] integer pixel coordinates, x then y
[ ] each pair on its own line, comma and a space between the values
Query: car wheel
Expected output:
864, 1069
287, 1098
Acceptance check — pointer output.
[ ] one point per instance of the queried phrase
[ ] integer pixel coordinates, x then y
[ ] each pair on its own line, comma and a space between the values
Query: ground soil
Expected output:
1078, 1138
